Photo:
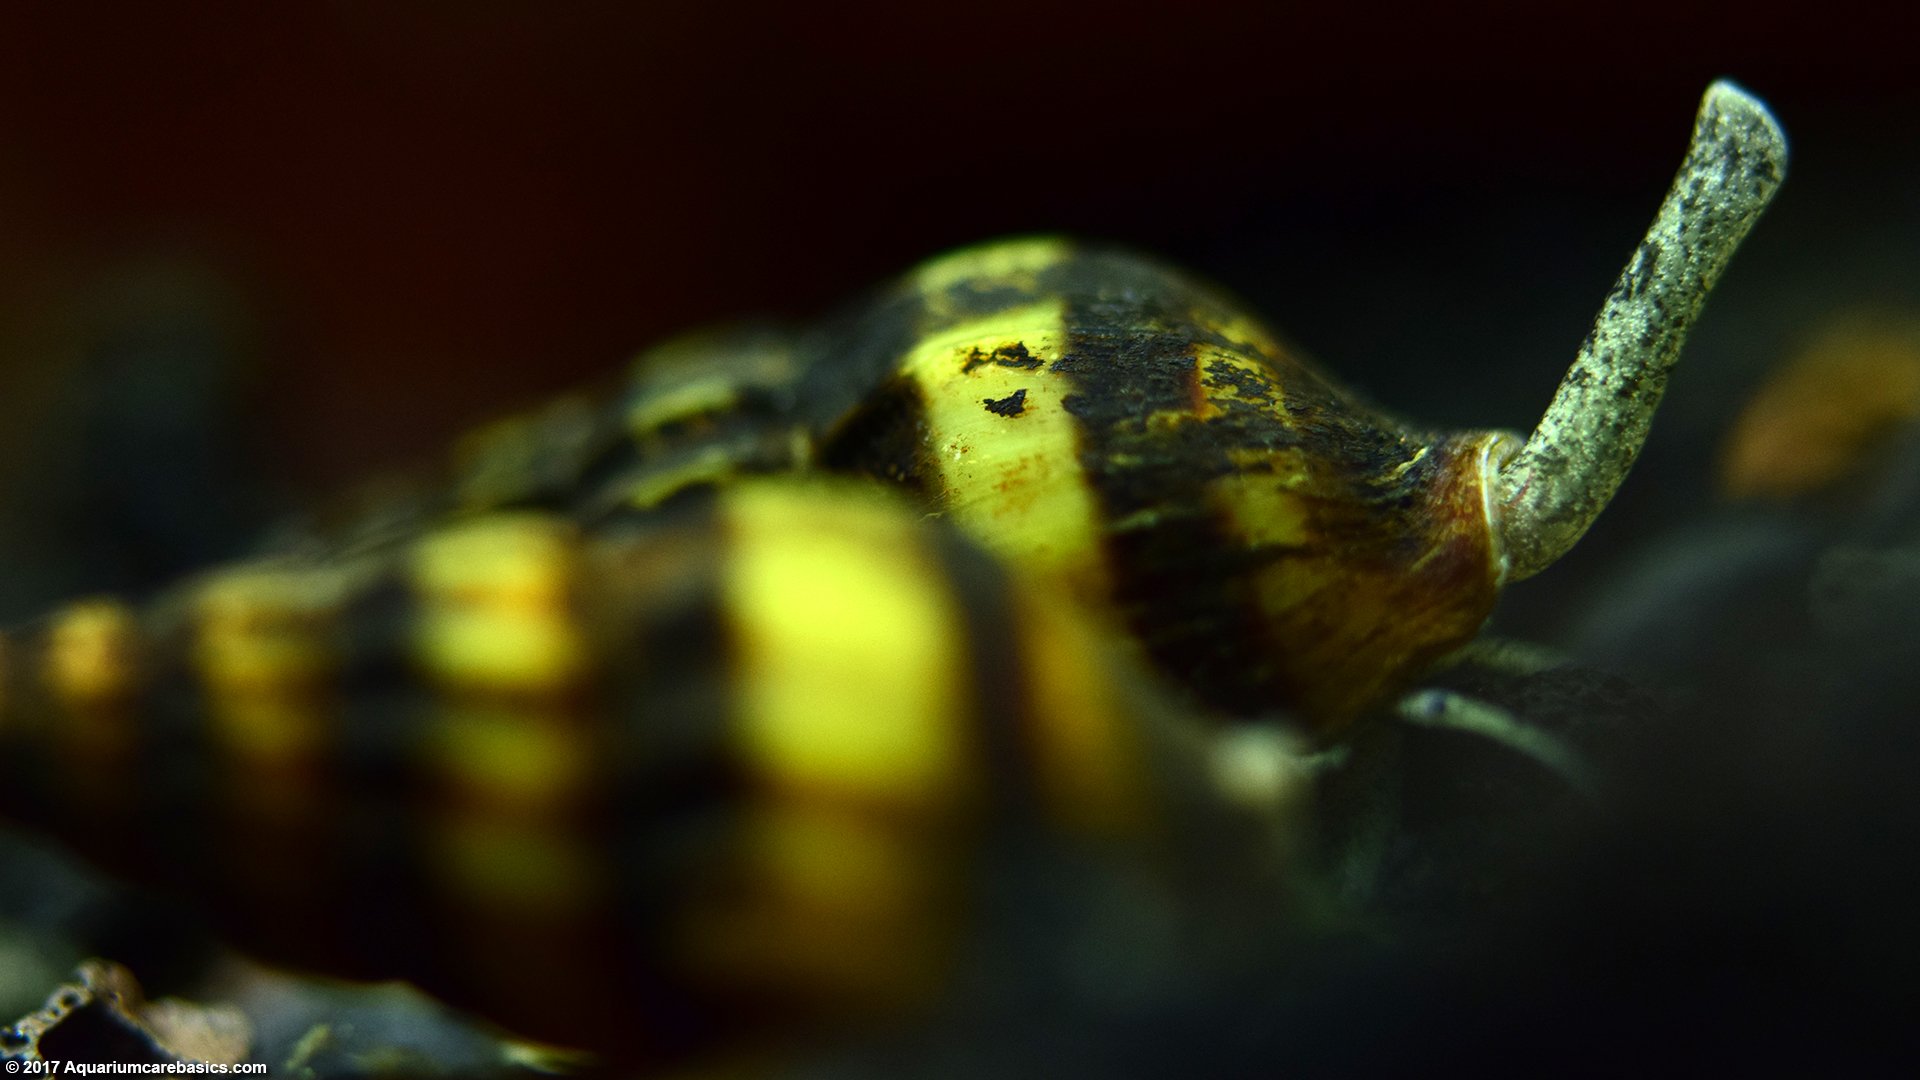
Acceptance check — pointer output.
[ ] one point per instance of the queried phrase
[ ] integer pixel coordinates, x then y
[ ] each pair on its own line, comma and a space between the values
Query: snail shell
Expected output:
706, 779
1269, 541
1266, 537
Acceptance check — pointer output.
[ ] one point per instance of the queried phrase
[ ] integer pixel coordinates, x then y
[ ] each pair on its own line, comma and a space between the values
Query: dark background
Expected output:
389, 221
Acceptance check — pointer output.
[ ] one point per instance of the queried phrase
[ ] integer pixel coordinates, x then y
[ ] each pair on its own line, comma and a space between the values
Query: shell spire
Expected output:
1549, 492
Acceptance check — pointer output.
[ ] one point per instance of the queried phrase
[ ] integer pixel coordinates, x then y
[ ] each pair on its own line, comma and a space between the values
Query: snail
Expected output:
1268, 539
644, 751
733, 773
1271, 542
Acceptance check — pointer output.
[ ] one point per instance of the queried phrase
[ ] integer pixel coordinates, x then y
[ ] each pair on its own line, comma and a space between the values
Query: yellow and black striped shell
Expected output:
1269, 541
703, 778
1098, 419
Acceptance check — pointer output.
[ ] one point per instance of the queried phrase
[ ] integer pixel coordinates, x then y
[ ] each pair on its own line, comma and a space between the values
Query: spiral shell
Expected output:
688, 780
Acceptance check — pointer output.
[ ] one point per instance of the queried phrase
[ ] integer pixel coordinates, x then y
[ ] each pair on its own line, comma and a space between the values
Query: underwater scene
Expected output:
634, 541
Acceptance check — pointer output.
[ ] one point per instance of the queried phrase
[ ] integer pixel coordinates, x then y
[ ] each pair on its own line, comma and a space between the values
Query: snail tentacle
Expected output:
1553, 489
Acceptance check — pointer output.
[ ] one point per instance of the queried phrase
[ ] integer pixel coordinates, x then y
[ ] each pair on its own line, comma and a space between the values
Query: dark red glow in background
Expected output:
443, 208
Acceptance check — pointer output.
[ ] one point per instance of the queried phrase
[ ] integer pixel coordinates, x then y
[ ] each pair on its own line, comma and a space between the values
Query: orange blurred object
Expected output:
1822, 416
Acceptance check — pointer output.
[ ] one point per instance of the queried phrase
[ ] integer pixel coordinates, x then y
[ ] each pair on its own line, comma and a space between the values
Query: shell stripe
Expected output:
761, 757
379, 844
71, 701
674, 783
992, 633
513, 854
1095, 418
260, 661
814, 586
887, 437
1146, 444
851, 726
1004, 444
